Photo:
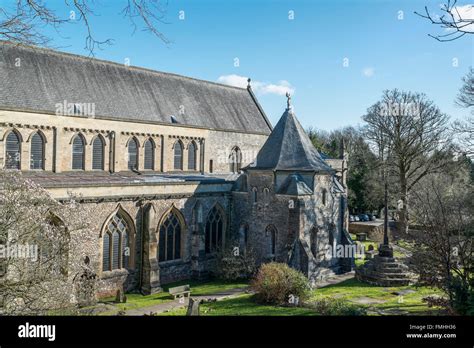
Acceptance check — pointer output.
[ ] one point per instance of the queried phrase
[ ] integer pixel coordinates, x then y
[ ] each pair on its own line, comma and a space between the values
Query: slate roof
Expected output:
81, 179
289, 148
337, 187
46, 77
295, 186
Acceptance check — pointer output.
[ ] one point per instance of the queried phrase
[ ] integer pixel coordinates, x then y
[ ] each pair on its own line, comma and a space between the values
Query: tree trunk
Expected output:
403, 212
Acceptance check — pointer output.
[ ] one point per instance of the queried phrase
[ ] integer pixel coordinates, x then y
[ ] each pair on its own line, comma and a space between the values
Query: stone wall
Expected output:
59, 131
89, 242
220, 144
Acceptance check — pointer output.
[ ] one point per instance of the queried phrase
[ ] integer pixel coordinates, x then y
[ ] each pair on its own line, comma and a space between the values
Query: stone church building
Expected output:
174, 168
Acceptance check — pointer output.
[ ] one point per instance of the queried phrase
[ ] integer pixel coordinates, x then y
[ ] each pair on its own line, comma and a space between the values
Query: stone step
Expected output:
385, 281
381, 275
388, 264
402, 268
382, 259
391, 270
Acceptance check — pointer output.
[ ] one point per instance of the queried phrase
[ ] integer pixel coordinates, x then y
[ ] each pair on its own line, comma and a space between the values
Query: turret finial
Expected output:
288, 101
248, 81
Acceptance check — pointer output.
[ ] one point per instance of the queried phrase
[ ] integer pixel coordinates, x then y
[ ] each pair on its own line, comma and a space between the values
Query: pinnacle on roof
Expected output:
289, 148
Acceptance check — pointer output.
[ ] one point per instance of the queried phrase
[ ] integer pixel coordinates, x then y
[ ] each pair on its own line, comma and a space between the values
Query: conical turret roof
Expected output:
289, 148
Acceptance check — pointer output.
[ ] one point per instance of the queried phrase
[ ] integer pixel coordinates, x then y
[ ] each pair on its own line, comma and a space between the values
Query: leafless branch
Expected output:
26, 22
451, 20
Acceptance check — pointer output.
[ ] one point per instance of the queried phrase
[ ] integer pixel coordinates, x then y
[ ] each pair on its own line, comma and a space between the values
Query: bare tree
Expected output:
27, 20
464, 129
465, 98
409, 133
443, 255
38, 237
457, 20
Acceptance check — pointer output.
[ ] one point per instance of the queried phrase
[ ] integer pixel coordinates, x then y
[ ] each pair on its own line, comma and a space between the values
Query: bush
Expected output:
277, 283
329, 306
232, 266
462, 295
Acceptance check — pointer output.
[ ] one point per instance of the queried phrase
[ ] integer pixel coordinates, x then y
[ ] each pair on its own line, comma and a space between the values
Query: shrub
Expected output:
233, 266
337, 306
462, 296
459, 299
277, 283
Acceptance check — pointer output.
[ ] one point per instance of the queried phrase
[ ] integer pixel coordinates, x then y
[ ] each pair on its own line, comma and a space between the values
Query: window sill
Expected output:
114, 273
170, 263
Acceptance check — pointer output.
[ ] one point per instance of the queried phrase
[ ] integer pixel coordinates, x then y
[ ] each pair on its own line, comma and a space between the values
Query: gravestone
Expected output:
120, 297
193, 307
85, 285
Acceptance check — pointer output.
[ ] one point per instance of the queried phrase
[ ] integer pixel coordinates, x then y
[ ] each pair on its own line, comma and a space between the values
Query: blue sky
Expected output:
304, 54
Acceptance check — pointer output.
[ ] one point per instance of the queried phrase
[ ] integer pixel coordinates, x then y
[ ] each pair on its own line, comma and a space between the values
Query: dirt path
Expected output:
335, 279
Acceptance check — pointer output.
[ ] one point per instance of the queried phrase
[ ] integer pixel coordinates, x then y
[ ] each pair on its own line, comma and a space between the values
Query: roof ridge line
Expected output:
259, 107
109, 62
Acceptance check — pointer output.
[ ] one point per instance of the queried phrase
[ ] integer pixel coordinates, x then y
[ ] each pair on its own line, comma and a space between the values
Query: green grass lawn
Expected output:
241, 306
353, 290
198, 288
360, 261
350, 290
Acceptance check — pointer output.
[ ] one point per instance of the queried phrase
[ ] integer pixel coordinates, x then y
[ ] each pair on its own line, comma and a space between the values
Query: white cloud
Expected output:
465, 13
368, 72
279, 88
233, 80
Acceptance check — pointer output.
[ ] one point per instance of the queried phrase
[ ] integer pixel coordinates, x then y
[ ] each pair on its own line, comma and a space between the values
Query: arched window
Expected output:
235, 160
78, 153
244, 235
266, 195
192, 156
98, 154
107, 248
271, 233
313, 235
197, 214
214, 230
125, 250
332, 230
133, 154
53, 247
178, 155
170, 237
254, 195
13, 153
324, 196
37, 152
116, 244
149, 162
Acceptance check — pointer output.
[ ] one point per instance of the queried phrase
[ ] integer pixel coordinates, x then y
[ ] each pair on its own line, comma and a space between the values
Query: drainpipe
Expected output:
202, 156
162, 160
112, 152
140, 281
55, 140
